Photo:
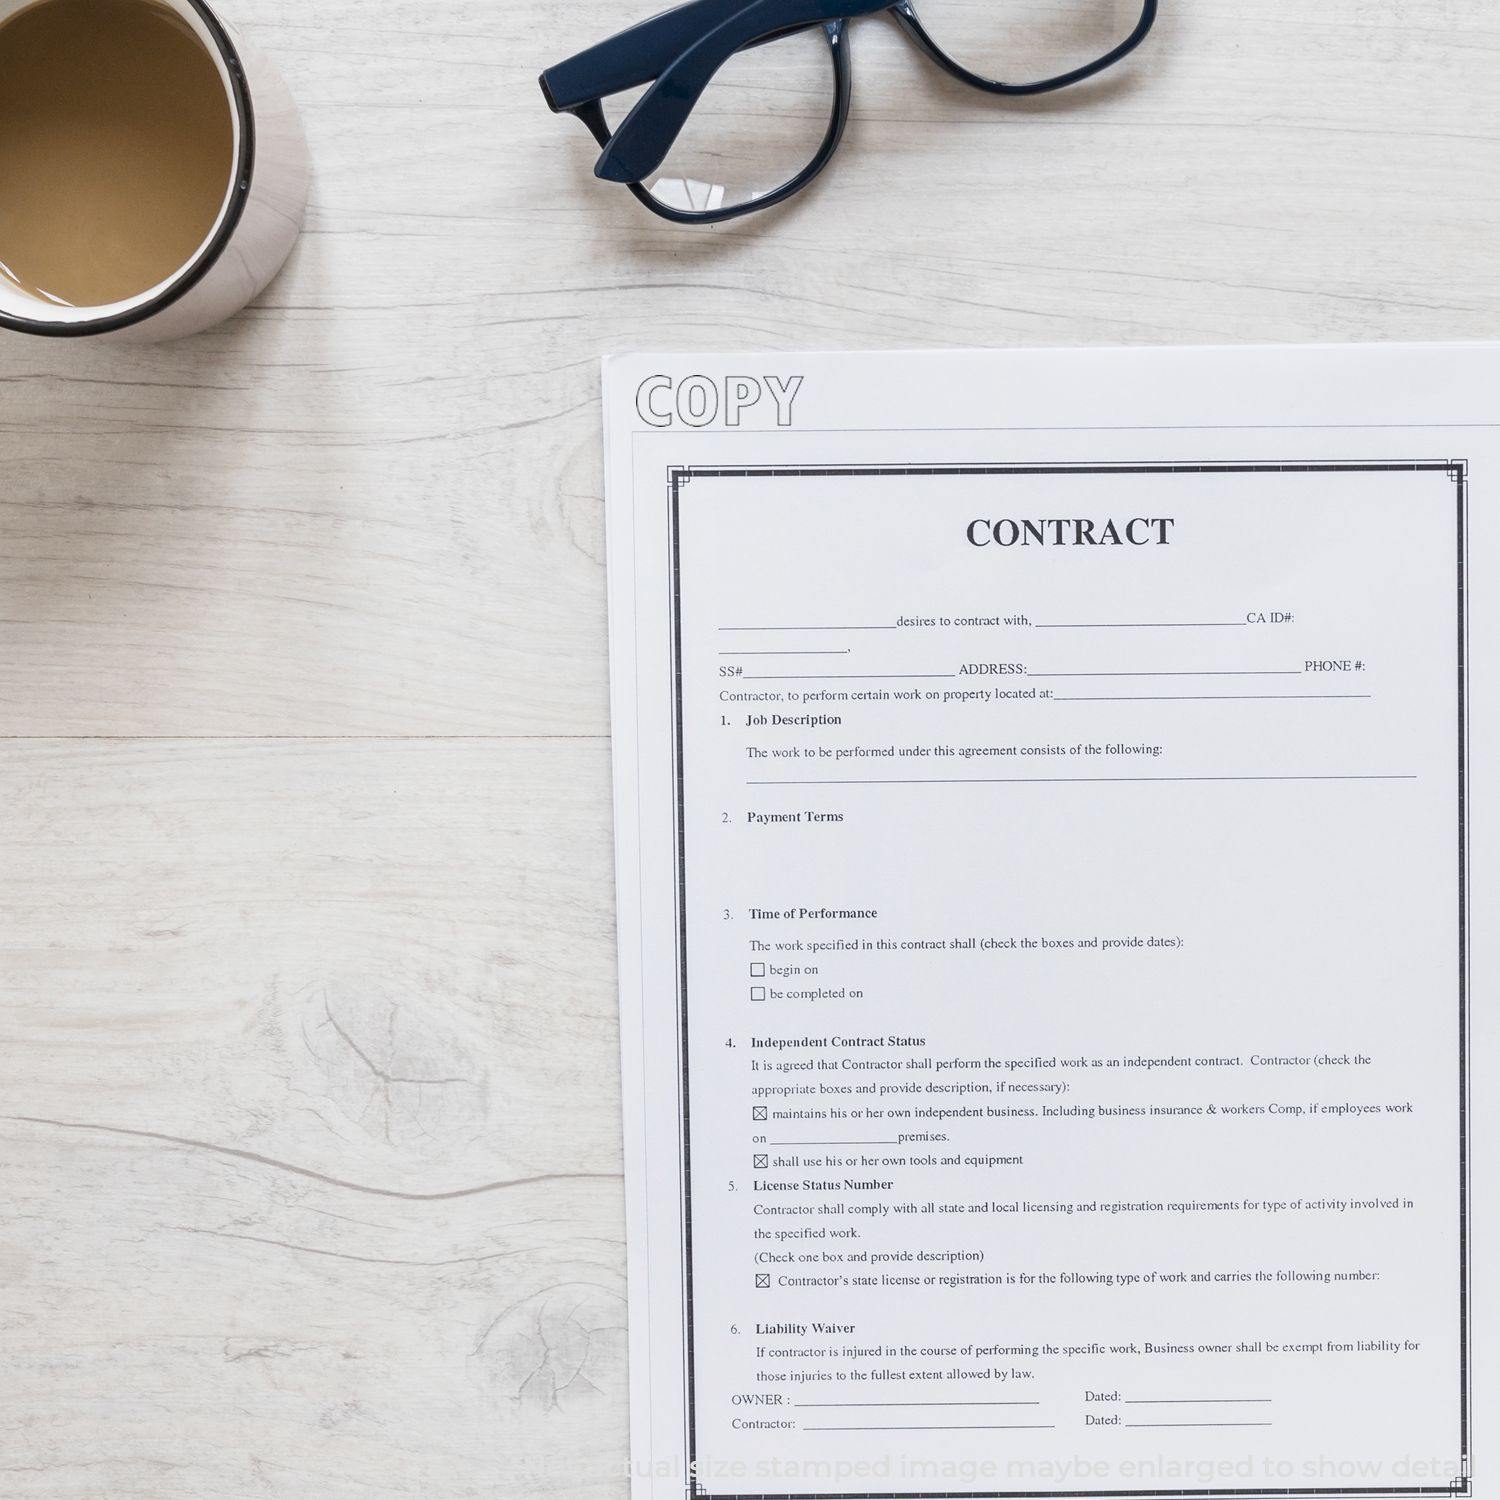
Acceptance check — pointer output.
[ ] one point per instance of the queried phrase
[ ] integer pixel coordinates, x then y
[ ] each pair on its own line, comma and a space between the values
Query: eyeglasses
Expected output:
721, 107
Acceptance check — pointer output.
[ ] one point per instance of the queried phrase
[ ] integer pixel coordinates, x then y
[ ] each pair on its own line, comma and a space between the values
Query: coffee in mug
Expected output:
152, 174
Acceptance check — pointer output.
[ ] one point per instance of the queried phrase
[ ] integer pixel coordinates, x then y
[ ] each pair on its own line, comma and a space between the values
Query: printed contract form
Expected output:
1054, 836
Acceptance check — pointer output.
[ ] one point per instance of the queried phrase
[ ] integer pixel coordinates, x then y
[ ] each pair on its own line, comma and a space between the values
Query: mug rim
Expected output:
199, 267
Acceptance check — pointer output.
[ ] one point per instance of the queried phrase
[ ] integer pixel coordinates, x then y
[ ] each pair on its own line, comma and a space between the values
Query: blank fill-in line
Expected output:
844, 652
1197, 1424
807, 627
916, 1403
1213, 697
1273, 672
965, 1427
1060, 780
1199, 1401
833, 1143
1150, 625
846, 676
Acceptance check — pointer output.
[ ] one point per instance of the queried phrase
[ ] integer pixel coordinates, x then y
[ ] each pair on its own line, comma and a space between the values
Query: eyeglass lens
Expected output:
759, 124
1027, 41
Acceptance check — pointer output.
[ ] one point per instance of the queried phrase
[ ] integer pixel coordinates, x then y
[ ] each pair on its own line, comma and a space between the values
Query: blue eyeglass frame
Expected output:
678, 53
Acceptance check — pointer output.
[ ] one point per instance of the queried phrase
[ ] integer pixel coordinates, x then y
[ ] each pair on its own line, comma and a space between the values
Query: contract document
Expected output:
1055, 837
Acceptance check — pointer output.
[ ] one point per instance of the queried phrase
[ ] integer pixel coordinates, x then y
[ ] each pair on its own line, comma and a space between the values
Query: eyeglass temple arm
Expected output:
634, 56
646, 134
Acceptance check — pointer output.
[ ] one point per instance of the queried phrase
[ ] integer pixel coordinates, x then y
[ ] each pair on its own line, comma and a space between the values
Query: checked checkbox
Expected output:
757, 1112
762, 1280
760, 1161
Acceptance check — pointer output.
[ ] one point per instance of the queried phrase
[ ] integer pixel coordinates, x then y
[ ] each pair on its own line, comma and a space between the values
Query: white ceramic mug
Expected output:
257, 224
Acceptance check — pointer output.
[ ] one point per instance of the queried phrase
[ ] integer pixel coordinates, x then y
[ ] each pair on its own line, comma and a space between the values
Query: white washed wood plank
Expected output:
308, 1122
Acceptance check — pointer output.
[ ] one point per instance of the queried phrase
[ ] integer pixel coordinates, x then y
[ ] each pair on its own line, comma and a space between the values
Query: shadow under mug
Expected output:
257, 224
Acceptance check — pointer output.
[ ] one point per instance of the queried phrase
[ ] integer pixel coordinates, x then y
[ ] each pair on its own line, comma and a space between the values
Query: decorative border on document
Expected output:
1458, 472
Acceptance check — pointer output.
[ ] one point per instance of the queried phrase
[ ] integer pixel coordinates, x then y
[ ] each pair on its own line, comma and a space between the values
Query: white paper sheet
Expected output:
1054, 814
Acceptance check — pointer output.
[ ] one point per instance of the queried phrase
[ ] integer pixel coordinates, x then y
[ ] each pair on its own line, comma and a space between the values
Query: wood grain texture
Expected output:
308, 1121
309, 1148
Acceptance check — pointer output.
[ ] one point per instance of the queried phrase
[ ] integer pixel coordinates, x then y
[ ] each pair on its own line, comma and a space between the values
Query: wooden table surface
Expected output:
310, 1181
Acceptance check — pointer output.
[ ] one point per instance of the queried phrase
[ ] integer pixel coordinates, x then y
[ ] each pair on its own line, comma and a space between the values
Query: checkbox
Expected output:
757, 1111
757, 992
761, 1161
762, 1280
757, 971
